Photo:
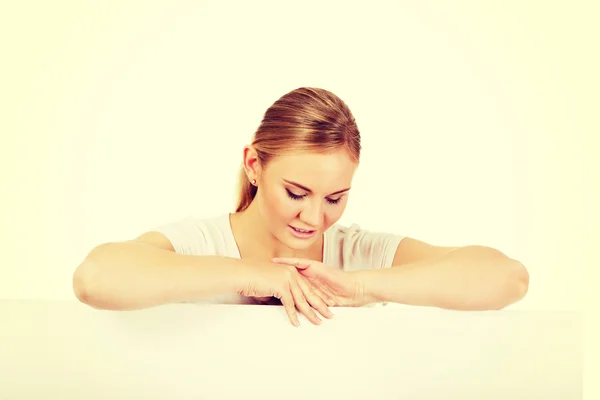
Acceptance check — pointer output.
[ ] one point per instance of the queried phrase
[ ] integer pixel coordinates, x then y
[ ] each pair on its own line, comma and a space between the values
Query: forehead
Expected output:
318, 171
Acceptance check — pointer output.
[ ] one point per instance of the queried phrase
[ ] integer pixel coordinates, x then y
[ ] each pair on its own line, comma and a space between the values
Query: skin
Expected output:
470, 277
262, 230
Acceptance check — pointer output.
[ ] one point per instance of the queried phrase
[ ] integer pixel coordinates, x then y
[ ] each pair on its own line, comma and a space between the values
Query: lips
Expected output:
302, 230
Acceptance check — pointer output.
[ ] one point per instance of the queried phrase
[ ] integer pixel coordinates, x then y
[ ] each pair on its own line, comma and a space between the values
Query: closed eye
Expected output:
300, 197
294, 196
336, 201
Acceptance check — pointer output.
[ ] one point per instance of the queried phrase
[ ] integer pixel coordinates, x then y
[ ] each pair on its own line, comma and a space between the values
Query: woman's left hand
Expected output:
335, 287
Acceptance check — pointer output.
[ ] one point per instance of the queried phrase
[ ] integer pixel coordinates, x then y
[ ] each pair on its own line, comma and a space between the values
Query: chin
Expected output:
299, 244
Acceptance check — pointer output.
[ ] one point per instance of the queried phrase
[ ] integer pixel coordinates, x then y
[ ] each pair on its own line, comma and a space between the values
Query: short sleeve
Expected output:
356, 248
186, 236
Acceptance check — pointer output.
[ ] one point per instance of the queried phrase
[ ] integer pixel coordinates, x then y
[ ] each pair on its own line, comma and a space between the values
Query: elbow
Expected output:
518, 281
86, 280
515, 286
522, 279
83, 286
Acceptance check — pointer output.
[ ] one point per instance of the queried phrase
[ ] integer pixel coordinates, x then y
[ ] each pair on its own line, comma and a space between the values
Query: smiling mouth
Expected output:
302, 230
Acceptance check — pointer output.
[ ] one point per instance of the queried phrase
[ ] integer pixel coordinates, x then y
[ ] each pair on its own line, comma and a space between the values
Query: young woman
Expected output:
283, 241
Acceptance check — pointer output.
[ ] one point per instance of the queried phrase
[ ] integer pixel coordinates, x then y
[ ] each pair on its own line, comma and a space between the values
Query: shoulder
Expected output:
376, 249
354, 247
194, 235
355, 232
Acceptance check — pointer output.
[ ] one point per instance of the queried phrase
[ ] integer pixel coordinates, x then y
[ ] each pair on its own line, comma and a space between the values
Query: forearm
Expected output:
126, 276
469, 278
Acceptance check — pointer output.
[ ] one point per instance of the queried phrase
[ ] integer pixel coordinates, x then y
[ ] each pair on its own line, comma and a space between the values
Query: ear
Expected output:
251, 162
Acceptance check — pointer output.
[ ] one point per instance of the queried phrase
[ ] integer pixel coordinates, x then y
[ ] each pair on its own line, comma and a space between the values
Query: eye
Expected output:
294, 196
336, 201
300, 197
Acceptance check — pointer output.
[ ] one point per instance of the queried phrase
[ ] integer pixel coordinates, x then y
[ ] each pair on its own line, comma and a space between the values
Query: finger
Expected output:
299, 263
314, 272
326, 278
288, 304
327, 297
302, 304
325, 292
315, 297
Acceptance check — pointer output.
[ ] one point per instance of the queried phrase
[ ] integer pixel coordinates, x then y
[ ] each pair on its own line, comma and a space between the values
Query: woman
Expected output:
283, 241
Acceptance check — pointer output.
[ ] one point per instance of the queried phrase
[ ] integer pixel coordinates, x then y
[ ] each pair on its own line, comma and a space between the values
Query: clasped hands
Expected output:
304, 285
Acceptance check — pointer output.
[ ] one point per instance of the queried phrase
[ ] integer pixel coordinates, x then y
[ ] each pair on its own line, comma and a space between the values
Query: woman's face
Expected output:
307, 191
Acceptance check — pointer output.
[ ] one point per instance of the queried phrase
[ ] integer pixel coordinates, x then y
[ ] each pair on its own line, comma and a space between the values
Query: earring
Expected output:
254, 182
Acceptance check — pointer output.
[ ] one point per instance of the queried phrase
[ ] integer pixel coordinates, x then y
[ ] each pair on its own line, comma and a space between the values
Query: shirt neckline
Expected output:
229, 230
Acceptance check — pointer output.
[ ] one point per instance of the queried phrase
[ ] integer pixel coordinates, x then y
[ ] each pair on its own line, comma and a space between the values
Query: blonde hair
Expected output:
305, 119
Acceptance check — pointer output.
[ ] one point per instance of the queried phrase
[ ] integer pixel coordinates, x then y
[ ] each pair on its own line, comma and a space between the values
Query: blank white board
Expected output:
67, 350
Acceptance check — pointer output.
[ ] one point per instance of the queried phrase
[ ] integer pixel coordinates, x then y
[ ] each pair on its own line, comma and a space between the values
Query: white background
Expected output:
476, 119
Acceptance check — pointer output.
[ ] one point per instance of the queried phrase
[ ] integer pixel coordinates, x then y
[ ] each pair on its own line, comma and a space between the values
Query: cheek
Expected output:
333, 214
279, 206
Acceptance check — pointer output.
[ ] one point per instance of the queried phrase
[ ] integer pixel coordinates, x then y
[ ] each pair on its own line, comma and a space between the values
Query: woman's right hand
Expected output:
267, 279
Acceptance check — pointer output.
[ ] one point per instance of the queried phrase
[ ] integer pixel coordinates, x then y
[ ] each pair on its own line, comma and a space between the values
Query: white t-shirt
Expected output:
346, 248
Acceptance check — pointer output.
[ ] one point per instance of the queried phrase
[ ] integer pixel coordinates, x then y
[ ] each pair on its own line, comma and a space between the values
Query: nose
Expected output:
312, 214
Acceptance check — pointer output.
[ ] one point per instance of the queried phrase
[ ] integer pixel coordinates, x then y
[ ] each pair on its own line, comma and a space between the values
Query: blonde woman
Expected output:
283, 241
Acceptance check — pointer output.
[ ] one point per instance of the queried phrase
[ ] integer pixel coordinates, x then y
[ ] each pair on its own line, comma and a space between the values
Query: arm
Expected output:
147, 272
463, 278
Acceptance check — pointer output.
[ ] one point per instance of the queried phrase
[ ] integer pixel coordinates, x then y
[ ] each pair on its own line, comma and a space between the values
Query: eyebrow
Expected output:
310, 191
